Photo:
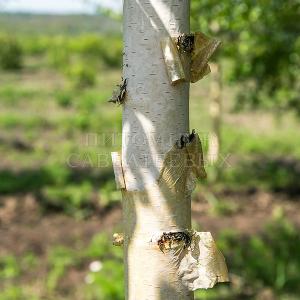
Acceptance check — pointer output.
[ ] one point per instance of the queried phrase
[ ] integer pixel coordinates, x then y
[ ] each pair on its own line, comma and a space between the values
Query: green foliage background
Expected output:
57, 73
261, 40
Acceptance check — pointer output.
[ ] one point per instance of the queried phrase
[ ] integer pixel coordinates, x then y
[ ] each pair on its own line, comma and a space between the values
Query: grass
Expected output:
10, 96
56, 137
273, 262
56, 123
258, 263
103, 282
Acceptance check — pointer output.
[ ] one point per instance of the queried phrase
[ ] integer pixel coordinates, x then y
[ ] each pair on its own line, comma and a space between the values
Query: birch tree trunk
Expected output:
155, 115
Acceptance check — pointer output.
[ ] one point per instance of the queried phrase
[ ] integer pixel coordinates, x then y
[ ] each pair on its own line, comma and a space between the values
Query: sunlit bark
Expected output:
155, 115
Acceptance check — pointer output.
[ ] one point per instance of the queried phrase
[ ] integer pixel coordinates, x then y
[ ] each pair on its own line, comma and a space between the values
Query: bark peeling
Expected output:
204, 48
183, 164
191, 258
173, 61
203, 266
186, 56
118, 170
200, 264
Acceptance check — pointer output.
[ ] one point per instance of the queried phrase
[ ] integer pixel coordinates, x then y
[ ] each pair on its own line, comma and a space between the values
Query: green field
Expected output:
53, 24
58, 202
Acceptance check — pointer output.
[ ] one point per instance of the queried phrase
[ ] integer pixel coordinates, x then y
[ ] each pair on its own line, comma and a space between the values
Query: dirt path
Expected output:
23, 227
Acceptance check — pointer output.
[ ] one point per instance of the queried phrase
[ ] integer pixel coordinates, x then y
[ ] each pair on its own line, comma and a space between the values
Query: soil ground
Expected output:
24, 228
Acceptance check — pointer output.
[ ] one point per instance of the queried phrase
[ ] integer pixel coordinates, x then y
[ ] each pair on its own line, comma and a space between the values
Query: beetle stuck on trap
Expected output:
170, 240
119, 95
197, 47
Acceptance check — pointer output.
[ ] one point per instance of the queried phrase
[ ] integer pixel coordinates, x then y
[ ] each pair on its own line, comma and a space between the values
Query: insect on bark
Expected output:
174, 239
185, 139
185, 43
119, 94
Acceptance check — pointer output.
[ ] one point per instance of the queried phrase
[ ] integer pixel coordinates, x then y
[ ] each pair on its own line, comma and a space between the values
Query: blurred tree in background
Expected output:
10, 53
262, 43
58, 202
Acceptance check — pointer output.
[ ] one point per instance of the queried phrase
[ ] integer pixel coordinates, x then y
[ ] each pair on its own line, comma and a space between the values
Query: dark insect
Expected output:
185, 139
185, 43
192, 135
119, 95
169, 239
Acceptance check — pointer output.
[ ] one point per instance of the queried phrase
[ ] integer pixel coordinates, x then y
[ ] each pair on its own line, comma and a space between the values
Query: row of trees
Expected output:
79, 58
260, 52
261, 40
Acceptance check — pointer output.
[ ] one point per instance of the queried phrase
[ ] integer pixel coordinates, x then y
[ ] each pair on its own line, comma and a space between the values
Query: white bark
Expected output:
155, 115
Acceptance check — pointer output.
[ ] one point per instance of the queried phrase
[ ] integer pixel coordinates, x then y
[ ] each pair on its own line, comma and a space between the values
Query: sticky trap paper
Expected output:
118, 170
183, 165
203, 266
196, 159
204, 48
172, 61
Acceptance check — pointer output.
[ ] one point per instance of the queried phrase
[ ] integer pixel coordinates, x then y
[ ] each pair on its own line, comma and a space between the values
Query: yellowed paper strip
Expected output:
118, 170
172, 61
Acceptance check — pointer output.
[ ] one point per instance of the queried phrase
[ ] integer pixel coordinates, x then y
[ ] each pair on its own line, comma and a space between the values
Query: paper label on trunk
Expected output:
203, 266
172, 61
118, 170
